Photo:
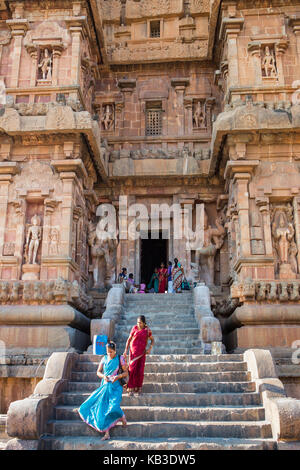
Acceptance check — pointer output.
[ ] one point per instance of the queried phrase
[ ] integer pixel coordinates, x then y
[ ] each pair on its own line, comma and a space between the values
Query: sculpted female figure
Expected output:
283, 234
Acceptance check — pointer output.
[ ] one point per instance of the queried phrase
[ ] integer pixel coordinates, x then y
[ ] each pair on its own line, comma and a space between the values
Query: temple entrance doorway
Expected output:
153, 252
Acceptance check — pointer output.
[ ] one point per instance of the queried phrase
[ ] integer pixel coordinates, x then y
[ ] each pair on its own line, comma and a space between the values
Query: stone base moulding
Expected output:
27, 419
262, 326
44, 328
281, 411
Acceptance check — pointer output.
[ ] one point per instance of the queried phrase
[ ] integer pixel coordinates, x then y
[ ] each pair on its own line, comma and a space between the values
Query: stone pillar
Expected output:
69, 171
77, 28
180, 85
295, 23
280, 49
188, 122
55, 72
254, 50
241, 172
7, 170
127, 87
263, 204
18, 28
230, 30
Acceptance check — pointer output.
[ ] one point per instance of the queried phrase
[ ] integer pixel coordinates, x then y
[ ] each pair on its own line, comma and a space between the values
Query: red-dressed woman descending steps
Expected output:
137, 342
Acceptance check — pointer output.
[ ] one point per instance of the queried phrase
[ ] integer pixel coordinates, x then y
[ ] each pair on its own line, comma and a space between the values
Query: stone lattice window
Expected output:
154, 119
155, 29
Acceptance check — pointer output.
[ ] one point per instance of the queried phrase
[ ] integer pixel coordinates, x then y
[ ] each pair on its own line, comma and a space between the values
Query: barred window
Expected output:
154, 119
155, 29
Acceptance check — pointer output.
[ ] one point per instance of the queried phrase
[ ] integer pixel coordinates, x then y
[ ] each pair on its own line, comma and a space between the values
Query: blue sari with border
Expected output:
102, 409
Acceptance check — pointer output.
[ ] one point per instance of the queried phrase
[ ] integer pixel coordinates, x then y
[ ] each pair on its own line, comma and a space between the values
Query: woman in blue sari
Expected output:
102, 409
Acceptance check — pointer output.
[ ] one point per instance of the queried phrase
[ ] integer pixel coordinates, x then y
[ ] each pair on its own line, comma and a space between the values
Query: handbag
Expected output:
123, 381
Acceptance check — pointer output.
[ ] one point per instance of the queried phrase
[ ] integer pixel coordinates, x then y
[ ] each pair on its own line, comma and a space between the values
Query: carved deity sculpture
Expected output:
46, 65
199, 116
212, 241
108, 118
285, 247
103, 257
268, 63
54, 240
33, 240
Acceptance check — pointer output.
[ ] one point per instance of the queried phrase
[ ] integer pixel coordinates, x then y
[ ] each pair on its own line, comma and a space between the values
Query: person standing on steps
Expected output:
177, 275
155, 281
162, 276
170, 282
102, 409
137, 342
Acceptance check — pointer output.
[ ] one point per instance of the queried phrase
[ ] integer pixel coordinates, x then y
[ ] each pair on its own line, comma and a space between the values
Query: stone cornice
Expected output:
230, 26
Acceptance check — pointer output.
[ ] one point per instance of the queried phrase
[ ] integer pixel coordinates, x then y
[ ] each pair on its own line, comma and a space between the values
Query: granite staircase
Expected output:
190, 400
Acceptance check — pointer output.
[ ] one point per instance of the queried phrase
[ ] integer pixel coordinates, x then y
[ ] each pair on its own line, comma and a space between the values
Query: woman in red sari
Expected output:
137, 342
162, 277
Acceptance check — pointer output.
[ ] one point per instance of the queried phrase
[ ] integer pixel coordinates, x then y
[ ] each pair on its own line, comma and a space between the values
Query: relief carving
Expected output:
285, 248
33, 240
45, 65
268, 64
213, 239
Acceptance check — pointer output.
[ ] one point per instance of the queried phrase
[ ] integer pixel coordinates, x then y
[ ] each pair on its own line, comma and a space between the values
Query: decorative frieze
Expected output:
55, 292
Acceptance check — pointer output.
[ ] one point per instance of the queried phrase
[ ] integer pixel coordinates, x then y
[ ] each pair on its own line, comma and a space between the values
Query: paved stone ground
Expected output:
190, 400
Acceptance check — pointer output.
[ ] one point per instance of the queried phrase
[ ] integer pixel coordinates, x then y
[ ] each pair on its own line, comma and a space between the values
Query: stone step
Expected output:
197, 358
178, 377
173, 399
157, 330
160, 349
182, 387
162, 335
166, 443
158, 429
160, 413
163, 343
160, 325
174, 367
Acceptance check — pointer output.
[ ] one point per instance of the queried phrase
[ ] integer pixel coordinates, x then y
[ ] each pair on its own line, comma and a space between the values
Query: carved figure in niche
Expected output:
283, 233
103, 256
54, 240
199, 116
213, 239
268, 63
46, 65
108, 118
33, 239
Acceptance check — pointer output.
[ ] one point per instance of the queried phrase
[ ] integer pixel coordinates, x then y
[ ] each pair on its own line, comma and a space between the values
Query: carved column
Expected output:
180, 85
57, 50
127, 87
7, 170
77, 26
254, 50
188, 105
263, 204
70, 172
230, 30
280, 49
241, 172
18, 28
295, 23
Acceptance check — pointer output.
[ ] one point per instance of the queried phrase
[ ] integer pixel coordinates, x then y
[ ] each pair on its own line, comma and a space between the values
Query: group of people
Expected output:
102, 410
163, 279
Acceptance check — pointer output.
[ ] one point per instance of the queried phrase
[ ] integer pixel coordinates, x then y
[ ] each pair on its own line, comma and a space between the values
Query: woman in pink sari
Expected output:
162, 276
137, 342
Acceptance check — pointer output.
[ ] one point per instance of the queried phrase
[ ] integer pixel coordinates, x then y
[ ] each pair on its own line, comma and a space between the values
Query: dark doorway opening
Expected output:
153, 252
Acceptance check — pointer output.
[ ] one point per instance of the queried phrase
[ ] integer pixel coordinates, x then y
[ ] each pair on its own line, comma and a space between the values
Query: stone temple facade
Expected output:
165, 102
